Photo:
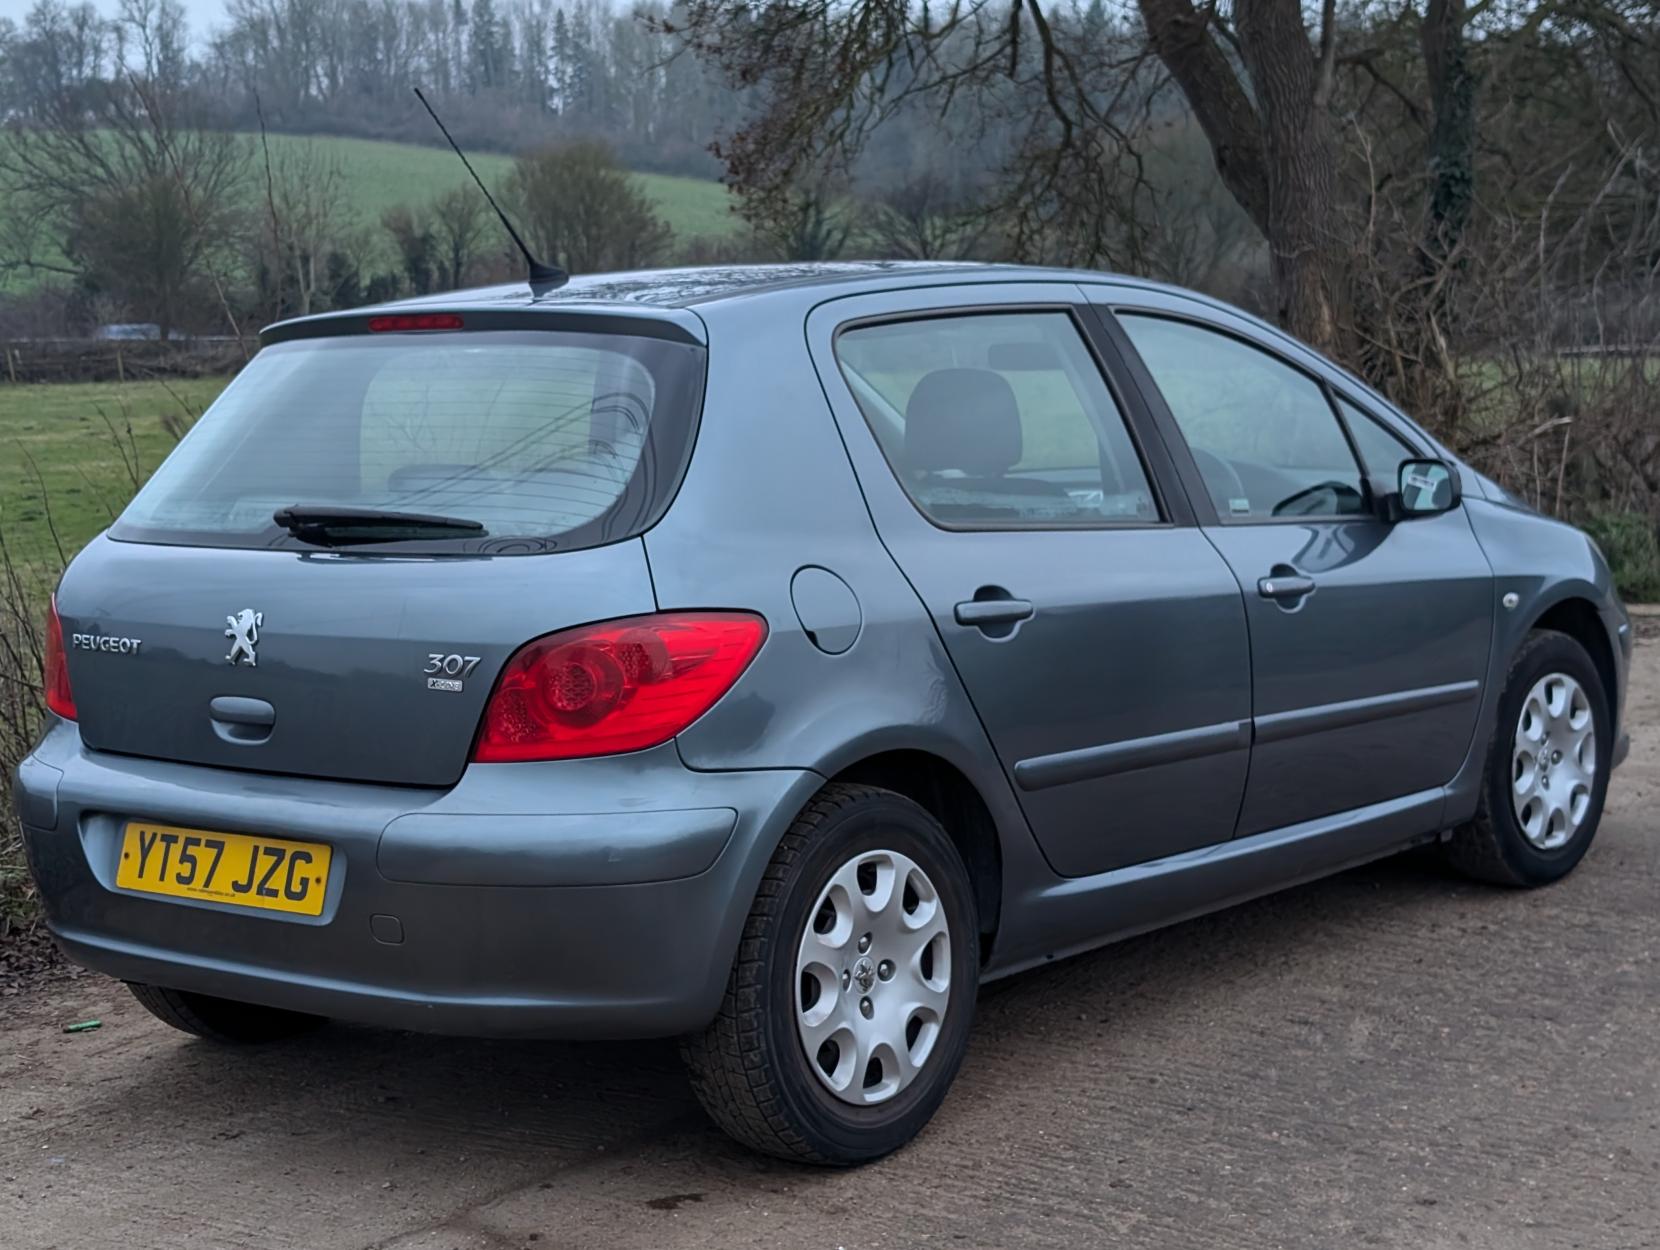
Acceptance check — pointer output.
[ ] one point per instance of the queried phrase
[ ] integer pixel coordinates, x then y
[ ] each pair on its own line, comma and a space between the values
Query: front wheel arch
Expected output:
1578, 618
1491, 845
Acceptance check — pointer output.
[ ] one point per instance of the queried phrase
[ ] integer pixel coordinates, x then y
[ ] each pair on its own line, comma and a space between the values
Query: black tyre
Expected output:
1547, 769
848, 1009
220, 1019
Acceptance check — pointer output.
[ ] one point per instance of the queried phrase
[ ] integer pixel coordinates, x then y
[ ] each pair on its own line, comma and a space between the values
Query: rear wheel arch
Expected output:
946, 793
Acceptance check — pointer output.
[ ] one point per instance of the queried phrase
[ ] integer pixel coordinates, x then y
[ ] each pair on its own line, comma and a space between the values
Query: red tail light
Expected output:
621, 686
58, 696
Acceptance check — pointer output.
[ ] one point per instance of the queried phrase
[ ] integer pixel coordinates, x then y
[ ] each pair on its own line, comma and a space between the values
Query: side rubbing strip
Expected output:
1043, 771
1278, 726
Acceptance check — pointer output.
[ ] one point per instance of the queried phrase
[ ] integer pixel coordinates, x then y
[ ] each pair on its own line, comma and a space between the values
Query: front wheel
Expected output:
1547, 773
848, 1009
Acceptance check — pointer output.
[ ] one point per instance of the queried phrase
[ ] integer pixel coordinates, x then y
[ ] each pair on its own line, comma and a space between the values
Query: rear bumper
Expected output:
597, 898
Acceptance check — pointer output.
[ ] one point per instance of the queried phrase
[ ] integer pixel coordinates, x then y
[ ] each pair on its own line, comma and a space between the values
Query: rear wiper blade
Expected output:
333, 524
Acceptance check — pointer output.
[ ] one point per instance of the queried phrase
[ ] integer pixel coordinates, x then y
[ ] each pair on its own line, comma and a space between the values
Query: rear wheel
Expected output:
220, 1019
1547, 773
848, 1010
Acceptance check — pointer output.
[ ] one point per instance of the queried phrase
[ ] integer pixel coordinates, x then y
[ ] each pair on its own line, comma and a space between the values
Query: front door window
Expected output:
1266, 441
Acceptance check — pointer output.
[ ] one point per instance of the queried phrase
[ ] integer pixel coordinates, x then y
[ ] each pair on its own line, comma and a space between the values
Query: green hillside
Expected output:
383, 175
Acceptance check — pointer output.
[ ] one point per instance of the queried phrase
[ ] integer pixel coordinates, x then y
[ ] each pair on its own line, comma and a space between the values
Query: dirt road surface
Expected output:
1388, 1058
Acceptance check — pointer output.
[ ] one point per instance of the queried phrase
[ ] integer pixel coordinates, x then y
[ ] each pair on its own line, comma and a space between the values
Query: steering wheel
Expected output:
1295, 505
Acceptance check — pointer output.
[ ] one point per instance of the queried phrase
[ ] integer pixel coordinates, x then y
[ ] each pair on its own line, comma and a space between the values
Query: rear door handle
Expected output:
1292, 586
981, 612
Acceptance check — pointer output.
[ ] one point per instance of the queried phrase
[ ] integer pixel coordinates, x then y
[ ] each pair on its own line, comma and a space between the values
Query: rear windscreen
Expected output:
549, 440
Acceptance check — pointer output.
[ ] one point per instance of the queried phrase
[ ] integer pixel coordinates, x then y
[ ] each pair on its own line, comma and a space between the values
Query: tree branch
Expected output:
1181, 37
1325, 74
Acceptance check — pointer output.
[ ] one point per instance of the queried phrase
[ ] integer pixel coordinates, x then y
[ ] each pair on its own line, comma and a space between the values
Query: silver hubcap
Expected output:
873, 977
1553, 761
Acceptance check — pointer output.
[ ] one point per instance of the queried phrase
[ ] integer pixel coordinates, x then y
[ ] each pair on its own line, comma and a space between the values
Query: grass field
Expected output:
82, 446
383, 175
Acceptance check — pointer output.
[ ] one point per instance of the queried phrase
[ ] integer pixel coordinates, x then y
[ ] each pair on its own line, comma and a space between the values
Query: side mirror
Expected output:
1422, 488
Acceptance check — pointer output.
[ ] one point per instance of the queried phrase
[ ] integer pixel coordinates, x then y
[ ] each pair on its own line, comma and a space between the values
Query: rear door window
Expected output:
549, 440
997, 419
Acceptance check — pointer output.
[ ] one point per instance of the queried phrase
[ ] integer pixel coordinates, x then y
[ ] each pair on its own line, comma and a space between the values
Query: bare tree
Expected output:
128, 193
582, 211
411, 235
308, 217
1301, 107
449, 242
463, 232
805, 223
1054, 101
926, 218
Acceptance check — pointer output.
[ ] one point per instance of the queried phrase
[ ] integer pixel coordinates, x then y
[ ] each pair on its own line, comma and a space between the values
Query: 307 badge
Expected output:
270, 874
449, 672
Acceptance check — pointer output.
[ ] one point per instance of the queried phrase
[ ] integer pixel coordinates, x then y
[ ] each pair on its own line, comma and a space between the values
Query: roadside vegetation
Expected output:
1628, 540
71, 455
23, 589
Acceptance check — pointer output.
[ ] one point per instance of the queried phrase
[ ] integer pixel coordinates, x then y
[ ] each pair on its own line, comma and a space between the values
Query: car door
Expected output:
1369, 639
1101, 638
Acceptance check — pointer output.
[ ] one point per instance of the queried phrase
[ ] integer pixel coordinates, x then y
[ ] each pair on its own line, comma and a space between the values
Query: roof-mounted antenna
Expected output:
543, 278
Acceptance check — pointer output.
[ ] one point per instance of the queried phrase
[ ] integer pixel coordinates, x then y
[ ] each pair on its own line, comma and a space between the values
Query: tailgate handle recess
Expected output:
237, 719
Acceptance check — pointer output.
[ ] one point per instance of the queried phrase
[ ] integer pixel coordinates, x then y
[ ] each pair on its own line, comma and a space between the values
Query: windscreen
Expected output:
547, 440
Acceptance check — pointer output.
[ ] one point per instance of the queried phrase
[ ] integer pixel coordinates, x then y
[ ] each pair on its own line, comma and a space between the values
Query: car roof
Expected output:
686, 288
678, 295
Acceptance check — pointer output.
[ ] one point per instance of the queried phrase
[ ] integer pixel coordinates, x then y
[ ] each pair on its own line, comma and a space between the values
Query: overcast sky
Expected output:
203, 14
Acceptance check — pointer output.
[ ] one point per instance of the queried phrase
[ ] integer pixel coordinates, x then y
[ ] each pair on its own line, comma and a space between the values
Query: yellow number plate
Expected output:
267, 873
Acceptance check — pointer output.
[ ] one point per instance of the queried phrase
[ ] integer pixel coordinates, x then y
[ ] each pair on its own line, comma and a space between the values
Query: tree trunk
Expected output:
1452, 135
1181, 38
1426, 369
1275, 152
1302, 167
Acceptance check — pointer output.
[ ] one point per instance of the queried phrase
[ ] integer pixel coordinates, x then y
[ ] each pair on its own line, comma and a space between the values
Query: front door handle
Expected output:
1290, 586
983, 612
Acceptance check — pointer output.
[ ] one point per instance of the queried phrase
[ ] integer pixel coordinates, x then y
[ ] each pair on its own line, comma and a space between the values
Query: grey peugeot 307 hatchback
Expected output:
770, 656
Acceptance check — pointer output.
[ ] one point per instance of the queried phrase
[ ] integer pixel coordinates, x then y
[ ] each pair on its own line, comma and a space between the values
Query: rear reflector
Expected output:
620, 686
56, 666
414, 321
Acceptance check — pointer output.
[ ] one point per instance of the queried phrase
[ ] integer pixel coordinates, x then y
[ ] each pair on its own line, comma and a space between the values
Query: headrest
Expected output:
965, 419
